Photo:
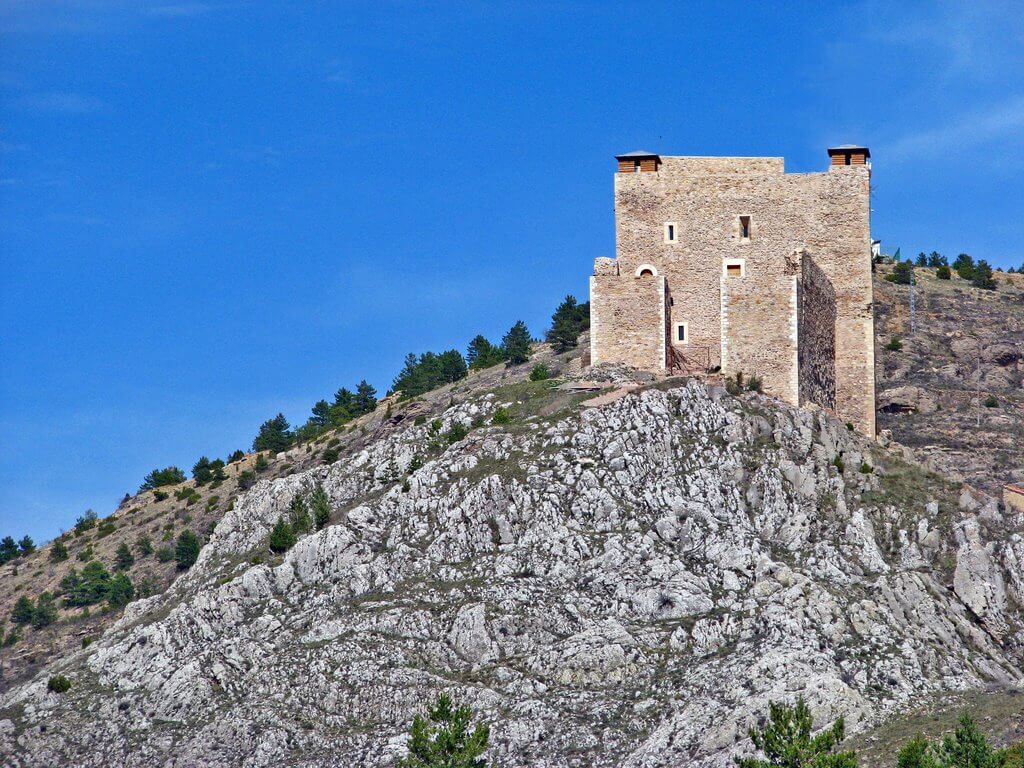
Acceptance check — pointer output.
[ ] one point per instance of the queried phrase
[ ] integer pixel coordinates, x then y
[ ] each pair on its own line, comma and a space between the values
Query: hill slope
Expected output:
626, 585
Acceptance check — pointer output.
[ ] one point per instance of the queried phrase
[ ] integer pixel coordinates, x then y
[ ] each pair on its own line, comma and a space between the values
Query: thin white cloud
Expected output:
971, 129
66, 102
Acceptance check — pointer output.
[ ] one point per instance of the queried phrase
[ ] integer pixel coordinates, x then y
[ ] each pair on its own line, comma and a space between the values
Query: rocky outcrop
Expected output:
625, 585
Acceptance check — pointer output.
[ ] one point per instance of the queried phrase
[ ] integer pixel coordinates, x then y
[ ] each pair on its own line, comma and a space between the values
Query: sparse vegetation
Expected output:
161, 477
446, 738
787, 741
282, 537
894, 345
187, 550
501, 416
58, 684
540, 372
567, 323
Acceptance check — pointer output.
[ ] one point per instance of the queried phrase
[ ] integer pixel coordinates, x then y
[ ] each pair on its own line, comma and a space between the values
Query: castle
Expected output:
732, 264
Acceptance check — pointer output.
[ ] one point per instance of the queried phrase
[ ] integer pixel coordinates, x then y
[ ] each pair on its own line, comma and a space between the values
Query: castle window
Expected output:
682, 335
646, 273
670, 232
734, 268
646, 270
745, 227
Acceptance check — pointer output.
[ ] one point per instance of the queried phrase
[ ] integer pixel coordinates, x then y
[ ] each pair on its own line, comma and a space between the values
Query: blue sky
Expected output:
213, 212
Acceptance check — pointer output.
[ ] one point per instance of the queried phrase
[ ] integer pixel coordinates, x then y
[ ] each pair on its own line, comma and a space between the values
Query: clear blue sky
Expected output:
213, 212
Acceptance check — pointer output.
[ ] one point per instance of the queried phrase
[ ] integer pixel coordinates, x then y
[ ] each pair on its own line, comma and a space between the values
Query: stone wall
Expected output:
825, 214
817, 335
628, 320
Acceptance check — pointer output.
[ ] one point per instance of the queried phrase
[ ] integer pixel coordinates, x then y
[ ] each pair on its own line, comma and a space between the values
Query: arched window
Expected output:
646, 270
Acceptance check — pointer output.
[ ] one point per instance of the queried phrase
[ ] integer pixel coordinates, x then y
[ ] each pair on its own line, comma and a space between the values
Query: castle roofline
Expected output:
637, 153
844, 148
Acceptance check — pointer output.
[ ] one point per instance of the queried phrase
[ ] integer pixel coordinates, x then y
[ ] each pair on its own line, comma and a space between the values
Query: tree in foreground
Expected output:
187, 551
282, 537
443, 738
516, 344
901, 274
786, 741
320, 506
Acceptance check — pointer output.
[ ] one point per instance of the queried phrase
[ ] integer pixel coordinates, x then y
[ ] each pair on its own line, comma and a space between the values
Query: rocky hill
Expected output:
952, 388
623, 585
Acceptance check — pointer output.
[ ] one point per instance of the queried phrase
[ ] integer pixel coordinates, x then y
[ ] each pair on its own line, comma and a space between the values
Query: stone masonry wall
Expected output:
628, 323
817, 313
825, 214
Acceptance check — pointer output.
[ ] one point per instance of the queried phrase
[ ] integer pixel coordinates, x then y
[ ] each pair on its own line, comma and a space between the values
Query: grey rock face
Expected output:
627, 586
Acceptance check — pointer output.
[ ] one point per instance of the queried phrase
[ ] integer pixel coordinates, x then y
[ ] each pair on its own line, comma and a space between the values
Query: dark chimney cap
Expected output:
844, 149
636, 154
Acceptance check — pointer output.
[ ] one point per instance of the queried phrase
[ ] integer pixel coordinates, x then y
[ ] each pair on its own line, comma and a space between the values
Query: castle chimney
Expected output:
849, 154
638, 162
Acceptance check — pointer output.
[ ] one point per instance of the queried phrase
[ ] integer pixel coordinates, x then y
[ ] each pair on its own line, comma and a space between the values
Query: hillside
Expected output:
624, 585
967, 347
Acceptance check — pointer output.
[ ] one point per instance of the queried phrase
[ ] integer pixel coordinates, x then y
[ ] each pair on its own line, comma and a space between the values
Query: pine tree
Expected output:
8, 549
282, 537
922, 259
187, 550
964, 266
901, 274
58, 552
482, 354
45, 611
320, 506
443, 738
366, 398
274, 435
124, 559
943, 273
786, 741
321, 413
160, 477
201, 471
121, 591
982, 276
567, 323
26, 546
516, 344
966, 747
22, 612
916, 753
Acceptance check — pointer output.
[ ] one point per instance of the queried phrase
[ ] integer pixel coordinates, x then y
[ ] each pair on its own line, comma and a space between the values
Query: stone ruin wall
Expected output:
817, 335
628, 323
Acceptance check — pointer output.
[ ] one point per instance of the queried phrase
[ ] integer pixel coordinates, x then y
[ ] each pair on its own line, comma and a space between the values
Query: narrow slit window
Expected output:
670, 232
681, 335
745, 227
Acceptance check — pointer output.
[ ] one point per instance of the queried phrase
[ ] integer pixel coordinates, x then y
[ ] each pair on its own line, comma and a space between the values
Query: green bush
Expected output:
45, 612
105, 528
894, 345
902, 273
320, 506
754, 383
839, 464
85, 588
866, 469
540, 372
58, 684
121, 591
444, 738
236, 456
165, 554
58, 552
943, 273
982, 276
124, 559
160, 495
501, 416
86, 521
329, 455
282, 537
22, 612
788, 740
455, 433
991, 402
187, 551
160, 477
144, 546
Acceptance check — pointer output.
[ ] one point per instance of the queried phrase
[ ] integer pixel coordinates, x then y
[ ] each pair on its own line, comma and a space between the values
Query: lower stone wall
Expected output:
816, 306
627, 321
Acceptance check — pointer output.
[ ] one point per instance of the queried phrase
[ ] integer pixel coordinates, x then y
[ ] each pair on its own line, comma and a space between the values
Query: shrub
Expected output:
22, 612
187, 550
124, 559
8, 549
444, 739
455, 433
26, 546
121, 591
58, 552
866, 469
567, 323
754, 383
964, 266
106, 528
212, 502
329, 455
246, 479
320, 506
787, 739
839, 464
282, 537
501, 416
299, 517
161, 477
160, 495
144, 546
86, 521
45, 612
58, 684
85, 588
516, 344
165, 554
943, 273
420, 420
894, 345
85, 554
734, 384
966, 747
540, 372
991, 402
902, 273
261, 463
236, 456
982, 276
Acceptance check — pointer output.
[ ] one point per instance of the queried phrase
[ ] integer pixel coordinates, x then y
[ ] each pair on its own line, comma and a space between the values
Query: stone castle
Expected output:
732, 264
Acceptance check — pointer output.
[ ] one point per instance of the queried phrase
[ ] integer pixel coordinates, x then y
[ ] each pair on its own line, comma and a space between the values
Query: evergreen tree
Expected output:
321, 414
85, 521
365, 399
124, 559
943, 273
901, 274
320, 506
187, 550
144, 545
922, 260
981, 276
45, 611
298, 516
22, 612
452, 366
121, 591
344, 401
936, 259
516, 344
236, 456
282, 537
964, 266
85, 588
786, 741
275, 435
568, 322
161, 477
482, 354
26, 545
202, 472
217, 467
916, 753
58, 552
8, 549
443, 738
966, 747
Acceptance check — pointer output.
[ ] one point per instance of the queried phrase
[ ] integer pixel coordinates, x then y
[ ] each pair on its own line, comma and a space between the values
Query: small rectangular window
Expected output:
681, 333
734, 269
745, 227
636, 166
670, 232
